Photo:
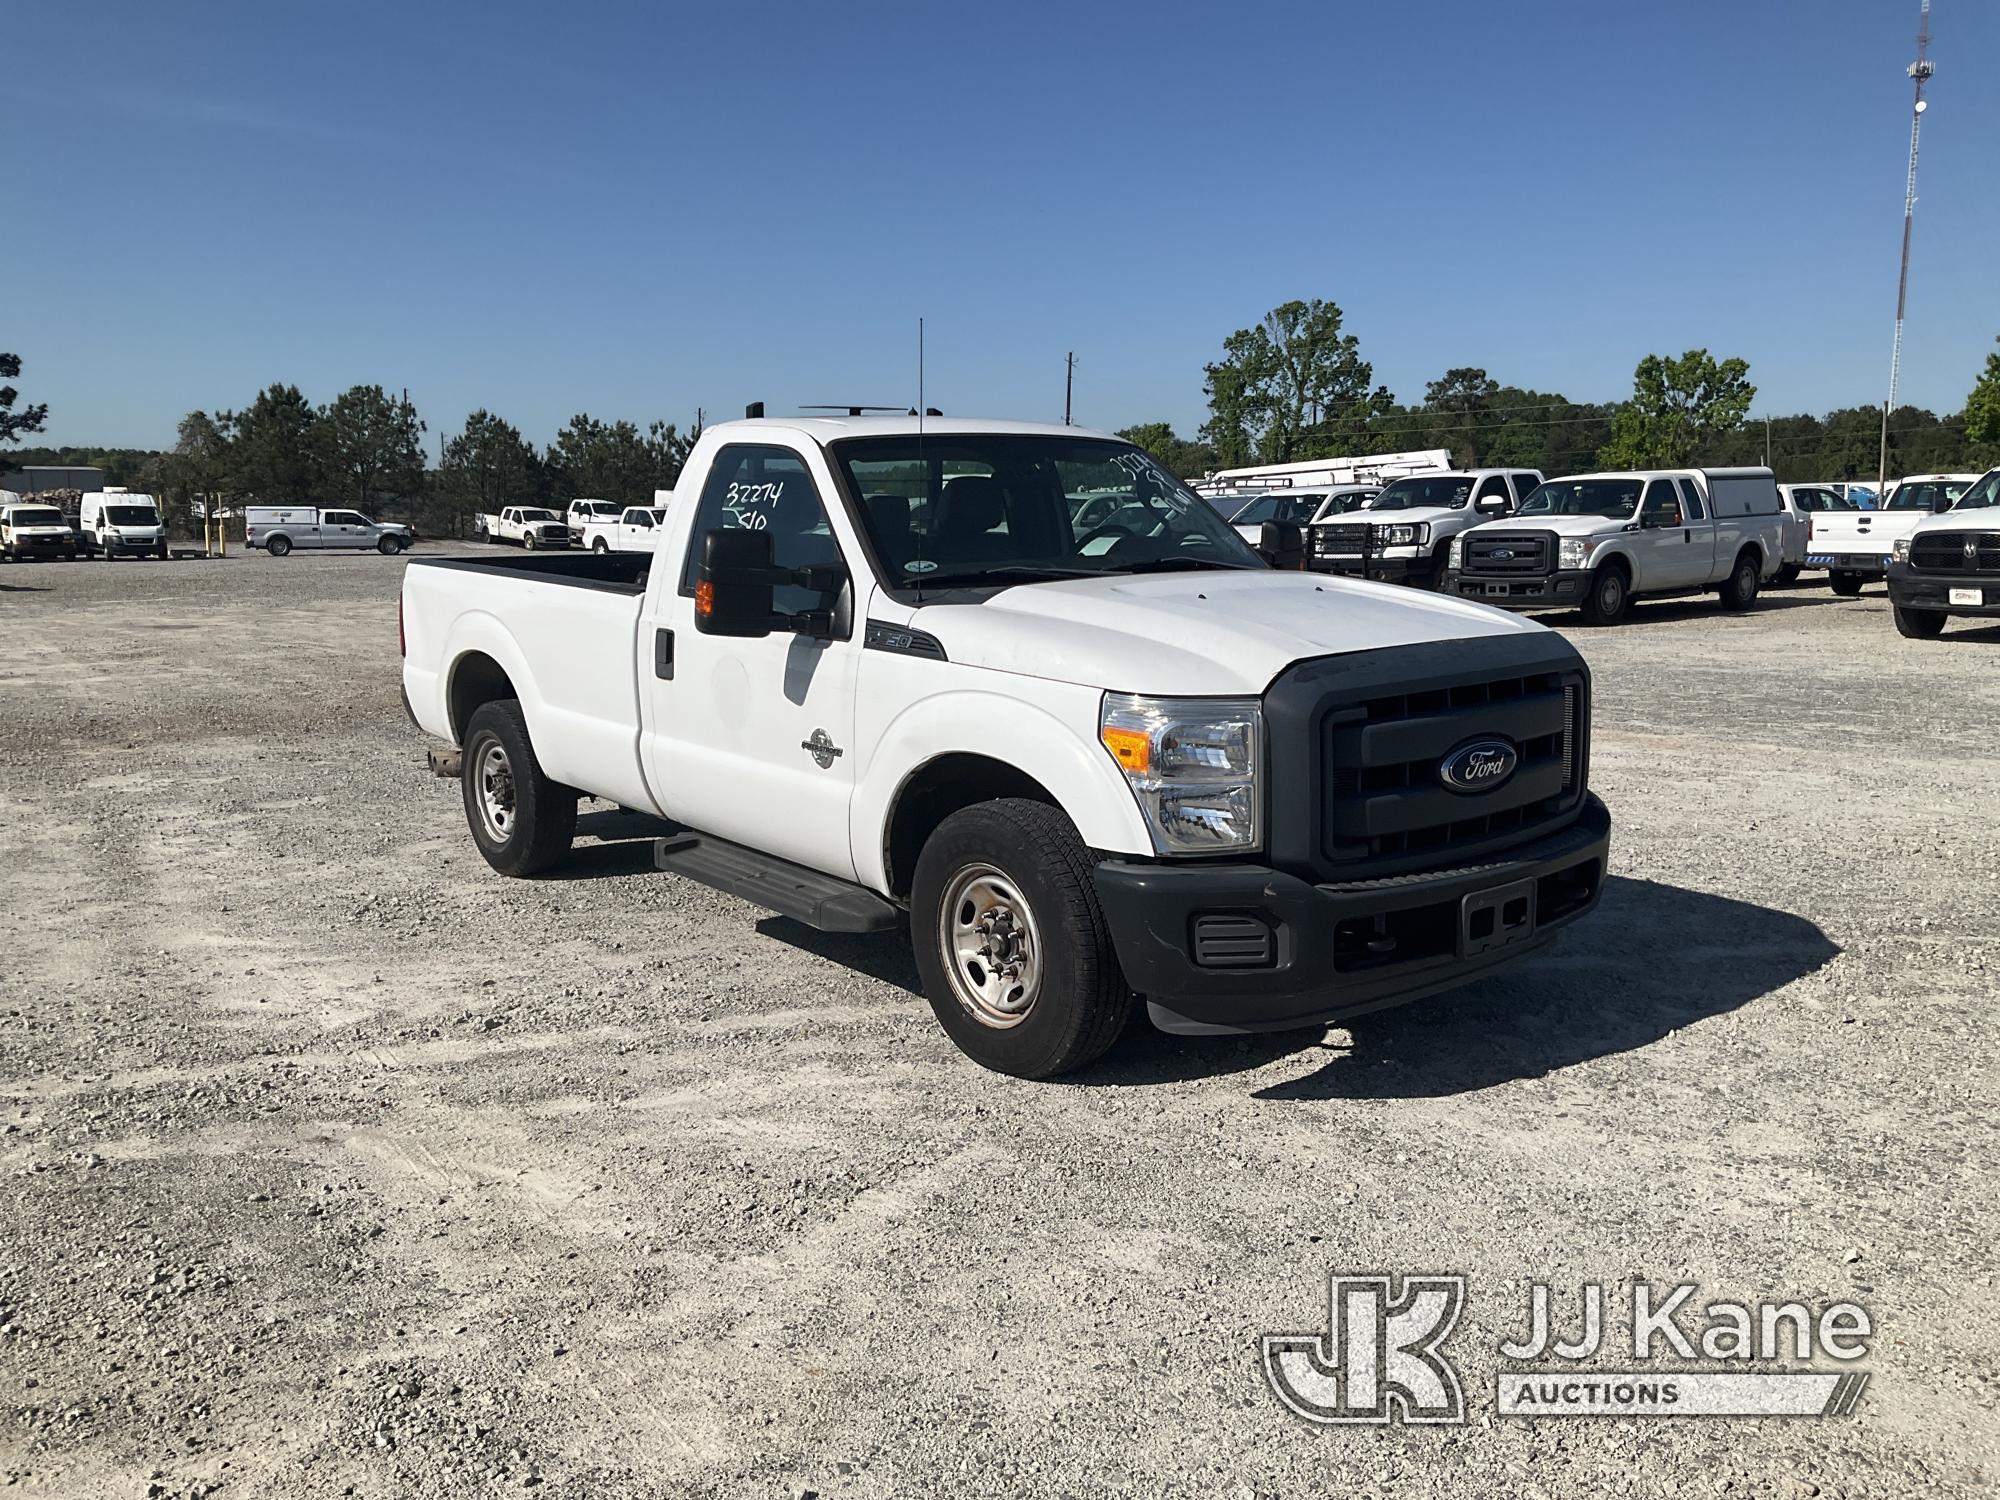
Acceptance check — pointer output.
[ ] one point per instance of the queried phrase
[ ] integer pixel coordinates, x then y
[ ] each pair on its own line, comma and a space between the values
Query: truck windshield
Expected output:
1983, 493
1003, 508
538, 515
131, 515
1297, 508
35, 518
1614, 499
1926, 494
1446, 492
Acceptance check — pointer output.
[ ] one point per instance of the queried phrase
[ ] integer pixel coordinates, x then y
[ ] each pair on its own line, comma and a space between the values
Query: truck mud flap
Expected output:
807, 896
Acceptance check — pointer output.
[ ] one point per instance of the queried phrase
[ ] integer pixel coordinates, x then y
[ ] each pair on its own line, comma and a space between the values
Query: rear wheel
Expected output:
599, 546
1786, 576
1845, 584
278, 546
1740, 590
522, 822
1010, 942
1610, 596
1919, 624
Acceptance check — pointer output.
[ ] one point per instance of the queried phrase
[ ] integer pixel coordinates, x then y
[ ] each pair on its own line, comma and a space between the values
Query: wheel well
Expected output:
934, 792
1755, 552
1621, 562
476, 679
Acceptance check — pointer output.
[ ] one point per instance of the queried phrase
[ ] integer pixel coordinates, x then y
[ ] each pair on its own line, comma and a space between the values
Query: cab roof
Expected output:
833, 429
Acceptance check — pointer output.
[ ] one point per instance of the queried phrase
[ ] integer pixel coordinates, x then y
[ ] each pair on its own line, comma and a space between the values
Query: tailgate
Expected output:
1865, 533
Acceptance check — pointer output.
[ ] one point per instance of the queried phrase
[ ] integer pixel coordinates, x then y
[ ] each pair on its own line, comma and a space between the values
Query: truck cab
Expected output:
885, 673
635, 529
1402, 534
1300, 507
1949, 564
1596, 542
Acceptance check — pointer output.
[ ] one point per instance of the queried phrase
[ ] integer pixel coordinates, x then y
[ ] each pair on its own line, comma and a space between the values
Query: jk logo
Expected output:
1380, 1355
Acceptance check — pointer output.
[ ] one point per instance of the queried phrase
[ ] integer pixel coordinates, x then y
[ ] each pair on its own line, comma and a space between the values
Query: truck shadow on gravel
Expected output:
1652, 959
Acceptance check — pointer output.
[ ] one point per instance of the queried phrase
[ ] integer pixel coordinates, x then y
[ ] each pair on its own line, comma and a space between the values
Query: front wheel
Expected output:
1609, 598
522, 822
1011, 943
1919, 624
160, 552
278, 546
528, 540
389, 546
1740, 589
1845, 584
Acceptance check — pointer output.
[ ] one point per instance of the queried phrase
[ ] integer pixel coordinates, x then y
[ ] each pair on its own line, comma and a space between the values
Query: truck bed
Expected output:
616, 572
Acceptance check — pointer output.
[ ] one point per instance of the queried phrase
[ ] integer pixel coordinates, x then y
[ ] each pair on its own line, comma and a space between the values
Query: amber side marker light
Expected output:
704, 598
1131, 748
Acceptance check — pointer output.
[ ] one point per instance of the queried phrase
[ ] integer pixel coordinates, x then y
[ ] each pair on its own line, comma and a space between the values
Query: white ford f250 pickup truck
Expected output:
1855, 547
877, 667
1596, 542
1404, 533
530, 525
1949, 565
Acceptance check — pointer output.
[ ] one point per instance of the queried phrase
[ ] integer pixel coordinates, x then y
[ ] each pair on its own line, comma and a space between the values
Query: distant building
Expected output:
36, 479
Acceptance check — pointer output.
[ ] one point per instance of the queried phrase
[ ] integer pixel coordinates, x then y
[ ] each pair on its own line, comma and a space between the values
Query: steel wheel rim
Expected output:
494, 781
991, 946
1610, 593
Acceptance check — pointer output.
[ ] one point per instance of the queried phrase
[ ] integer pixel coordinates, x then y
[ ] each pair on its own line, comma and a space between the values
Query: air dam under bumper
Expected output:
1912, 590
1233, 948
1417, 570
1564, 589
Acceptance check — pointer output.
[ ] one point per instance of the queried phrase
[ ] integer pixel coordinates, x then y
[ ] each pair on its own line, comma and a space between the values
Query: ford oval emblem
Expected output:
1502, 554
1479, 766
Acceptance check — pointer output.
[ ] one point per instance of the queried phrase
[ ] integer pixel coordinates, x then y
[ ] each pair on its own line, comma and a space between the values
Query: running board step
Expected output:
791, 890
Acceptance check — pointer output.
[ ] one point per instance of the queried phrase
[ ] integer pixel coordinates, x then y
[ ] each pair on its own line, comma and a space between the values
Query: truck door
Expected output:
751, 740
1666, 542
343, 528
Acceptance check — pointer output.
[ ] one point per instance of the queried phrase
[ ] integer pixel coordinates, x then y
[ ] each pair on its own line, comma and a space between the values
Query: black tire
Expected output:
528, 540
1786, 576
160, 552
1740, 589
1078, 1003
540, 821
1610, 596
1845, 584
388, 546
599, 546
278, 546
1919, 624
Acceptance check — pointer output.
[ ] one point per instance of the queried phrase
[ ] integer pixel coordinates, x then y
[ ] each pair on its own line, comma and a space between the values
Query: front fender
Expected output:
1055, 743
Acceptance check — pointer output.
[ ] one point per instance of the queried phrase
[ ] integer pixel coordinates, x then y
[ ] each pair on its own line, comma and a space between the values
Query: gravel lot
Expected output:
336, 1164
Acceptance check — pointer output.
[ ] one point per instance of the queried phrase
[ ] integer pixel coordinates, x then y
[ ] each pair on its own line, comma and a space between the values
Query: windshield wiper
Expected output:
1177, 565
1001, 575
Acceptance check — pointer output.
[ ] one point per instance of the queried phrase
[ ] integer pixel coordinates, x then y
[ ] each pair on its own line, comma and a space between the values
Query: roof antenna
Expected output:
920, 377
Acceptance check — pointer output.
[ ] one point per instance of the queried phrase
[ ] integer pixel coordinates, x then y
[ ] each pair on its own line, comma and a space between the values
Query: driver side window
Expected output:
1663, 504
758, 488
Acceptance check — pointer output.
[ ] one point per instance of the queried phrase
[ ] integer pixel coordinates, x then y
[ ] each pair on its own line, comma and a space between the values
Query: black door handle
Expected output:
663, 654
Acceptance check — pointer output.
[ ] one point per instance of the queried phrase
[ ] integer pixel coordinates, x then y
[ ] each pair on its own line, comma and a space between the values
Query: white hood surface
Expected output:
1560, 525
1206, 633
1983, 518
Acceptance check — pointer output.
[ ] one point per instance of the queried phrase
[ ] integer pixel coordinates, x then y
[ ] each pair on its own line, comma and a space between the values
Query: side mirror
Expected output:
1941, 504
1282, 544
1492, 505
732, 592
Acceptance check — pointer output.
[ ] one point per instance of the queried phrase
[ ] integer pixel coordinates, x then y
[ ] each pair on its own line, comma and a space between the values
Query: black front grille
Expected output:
1528, 554
1340, 541
1956, 552
1388, 803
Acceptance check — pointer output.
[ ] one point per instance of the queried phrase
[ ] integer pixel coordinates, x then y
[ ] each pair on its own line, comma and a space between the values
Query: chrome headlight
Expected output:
1455, 558
1574, 551
1901, 549
1404, 534
1192, 764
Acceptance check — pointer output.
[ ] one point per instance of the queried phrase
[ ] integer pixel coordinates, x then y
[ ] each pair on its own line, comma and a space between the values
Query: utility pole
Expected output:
1069, 383
1920, 72
1767, 442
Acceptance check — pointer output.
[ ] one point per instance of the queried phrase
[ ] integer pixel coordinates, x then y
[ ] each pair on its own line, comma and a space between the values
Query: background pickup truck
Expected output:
892, 670
1855, 546
636, 529
1404, 534
1950, 564
582, 512
530, 525
1596, 542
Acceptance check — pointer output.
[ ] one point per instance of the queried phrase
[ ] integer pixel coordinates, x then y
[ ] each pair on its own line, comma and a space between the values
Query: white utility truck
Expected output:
532, 526
1596, 542
1950, 564
636, 529
877, 673
582, 512
33, 529
1856, 546
1403, 534
280, 528
120, 523
1299, 508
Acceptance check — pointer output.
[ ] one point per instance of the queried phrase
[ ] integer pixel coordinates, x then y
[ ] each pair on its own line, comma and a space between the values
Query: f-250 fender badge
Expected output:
1479, 765
822, 748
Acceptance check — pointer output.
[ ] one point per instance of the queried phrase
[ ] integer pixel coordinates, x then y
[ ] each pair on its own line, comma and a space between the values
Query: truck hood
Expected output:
1416, 513
1560, 525
1207, 633
1982, 518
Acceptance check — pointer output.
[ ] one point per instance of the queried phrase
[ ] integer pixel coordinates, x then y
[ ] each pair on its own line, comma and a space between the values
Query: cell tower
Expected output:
1920, 72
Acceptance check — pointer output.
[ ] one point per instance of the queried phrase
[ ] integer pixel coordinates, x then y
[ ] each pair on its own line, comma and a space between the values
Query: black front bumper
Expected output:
1912, 590
1232, 948
1564, 589
1422, 571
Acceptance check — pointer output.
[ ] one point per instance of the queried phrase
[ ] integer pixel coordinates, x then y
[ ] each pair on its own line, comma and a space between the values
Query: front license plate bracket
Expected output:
1496, 918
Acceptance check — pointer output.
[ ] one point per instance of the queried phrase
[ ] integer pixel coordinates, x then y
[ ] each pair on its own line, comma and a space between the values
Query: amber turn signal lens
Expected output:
704, 598
1131, 748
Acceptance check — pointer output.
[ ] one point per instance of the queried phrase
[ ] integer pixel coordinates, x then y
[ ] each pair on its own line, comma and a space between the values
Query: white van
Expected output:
280, 528
116, 523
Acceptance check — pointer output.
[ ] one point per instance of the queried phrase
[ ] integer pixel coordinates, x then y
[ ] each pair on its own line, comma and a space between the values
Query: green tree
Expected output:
1982, 407
1462, 401
614, 460
370, 444
28, 418
271, 448
1677, 405
486, 466
1292, 387
191, 478
1188, 460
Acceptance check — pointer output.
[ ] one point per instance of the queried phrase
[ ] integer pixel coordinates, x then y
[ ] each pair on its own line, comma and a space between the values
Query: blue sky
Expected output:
635, 209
